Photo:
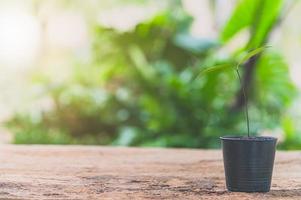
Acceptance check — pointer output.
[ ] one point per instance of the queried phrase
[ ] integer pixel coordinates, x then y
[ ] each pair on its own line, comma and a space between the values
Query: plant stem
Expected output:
246, 101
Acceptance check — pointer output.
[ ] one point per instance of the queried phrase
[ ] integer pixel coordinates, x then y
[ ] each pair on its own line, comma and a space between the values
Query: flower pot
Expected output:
248, 163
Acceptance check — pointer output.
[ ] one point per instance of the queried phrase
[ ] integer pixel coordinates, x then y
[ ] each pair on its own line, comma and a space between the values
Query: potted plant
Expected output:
248, 160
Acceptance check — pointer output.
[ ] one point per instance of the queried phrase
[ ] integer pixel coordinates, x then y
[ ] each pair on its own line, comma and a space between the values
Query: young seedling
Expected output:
244, 59
248, 161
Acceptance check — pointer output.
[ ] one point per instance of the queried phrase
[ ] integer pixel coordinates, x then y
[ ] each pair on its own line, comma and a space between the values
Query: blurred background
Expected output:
126, 72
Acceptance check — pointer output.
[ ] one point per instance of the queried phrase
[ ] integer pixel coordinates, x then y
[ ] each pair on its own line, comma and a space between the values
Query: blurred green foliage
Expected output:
142, 86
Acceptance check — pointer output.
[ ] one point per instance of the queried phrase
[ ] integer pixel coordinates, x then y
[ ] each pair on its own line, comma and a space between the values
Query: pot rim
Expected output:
250, 139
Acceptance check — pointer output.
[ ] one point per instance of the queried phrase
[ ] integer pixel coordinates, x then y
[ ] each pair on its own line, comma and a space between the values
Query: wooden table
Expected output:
89, 172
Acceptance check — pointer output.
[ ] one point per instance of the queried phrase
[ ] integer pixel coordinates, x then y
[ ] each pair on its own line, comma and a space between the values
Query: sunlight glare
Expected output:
19, 38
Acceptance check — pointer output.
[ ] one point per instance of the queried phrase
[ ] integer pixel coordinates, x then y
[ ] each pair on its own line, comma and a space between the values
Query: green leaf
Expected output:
224, 66
257, 15
288, 127
218, 67
193, 44
140, 62
252, 53
275, 89
265, 17
241, 17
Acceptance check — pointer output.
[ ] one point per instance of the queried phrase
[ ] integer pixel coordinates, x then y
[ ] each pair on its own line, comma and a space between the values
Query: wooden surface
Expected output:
78, 172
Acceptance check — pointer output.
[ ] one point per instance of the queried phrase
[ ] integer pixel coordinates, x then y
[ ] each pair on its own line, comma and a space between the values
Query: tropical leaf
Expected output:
275, 89
265, 17
140, 62
257, 15
224, 66
251, 54
215, 68
194, 44
241, 17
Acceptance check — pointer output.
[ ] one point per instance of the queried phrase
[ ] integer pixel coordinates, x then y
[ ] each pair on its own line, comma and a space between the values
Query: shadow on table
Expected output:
285, 193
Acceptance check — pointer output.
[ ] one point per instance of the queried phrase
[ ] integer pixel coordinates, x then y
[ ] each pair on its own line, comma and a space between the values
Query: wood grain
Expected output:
89, 172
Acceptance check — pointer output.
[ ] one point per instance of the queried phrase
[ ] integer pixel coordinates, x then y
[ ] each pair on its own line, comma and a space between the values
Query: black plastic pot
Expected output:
248, 163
